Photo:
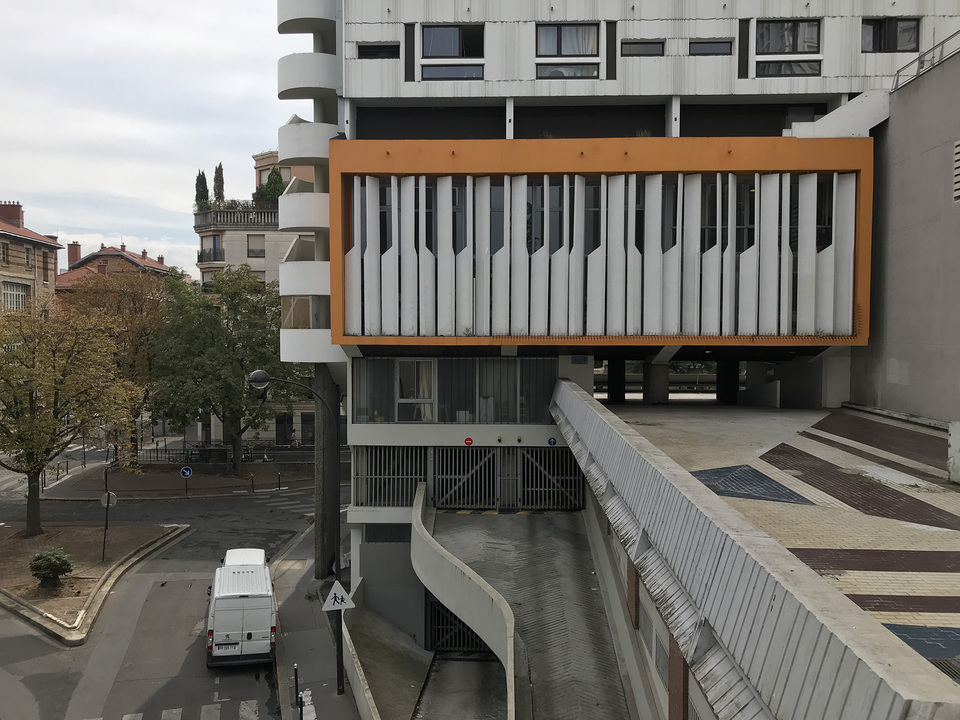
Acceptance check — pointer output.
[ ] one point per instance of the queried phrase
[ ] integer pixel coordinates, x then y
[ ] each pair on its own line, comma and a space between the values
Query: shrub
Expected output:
48, 566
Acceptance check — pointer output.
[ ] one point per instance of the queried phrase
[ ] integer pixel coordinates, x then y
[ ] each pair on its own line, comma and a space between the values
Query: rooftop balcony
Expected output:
236, 218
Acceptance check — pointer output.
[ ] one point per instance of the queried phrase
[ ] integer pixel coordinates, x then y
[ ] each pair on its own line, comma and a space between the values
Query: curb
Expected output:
234, 491
76, 633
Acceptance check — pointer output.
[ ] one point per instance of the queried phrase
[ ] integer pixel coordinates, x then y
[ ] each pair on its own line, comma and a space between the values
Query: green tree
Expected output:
208, 347
58, 381
218, 184
48, 566
202, 196
271, 190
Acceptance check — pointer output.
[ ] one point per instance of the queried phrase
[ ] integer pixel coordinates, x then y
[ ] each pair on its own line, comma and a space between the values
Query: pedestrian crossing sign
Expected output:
338, 599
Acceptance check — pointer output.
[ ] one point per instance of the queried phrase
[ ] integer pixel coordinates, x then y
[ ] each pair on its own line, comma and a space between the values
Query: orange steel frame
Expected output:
594, 156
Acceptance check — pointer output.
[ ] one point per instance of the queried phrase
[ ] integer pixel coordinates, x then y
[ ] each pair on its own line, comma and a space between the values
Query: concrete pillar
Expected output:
728, 381
953, 453
616, 380
756, 373
656, 383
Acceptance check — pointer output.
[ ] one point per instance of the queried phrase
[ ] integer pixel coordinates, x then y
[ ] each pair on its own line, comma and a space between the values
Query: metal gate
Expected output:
448, 633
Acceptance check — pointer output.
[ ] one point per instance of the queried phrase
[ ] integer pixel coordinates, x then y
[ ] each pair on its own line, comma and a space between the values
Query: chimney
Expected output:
12, 212
73, 253
102, 246
102, 268
160, 259
123, 248
143, 254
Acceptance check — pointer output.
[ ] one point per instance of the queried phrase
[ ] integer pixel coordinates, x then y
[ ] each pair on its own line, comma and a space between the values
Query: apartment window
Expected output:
787, 37
886, 35
452, 42
45, 264
711, 47
415, 391
378, 51
28, 257
568, 41
15, 295
256, 247
641, 48
5, 253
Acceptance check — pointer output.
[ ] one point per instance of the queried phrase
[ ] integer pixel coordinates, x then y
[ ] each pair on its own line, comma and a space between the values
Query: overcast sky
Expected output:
108, 108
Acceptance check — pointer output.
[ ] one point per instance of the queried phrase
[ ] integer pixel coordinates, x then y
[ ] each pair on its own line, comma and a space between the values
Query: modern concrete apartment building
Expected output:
505, 194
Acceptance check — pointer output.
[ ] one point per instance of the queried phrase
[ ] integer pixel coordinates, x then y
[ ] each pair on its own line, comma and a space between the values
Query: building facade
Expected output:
28, 260
506, 193
104, 261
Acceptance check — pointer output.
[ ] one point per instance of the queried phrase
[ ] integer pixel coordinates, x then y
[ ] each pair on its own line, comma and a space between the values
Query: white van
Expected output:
242, 612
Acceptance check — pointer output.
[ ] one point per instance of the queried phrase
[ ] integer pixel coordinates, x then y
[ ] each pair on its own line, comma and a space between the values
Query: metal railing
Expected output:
235, 218
210, 255
927, 60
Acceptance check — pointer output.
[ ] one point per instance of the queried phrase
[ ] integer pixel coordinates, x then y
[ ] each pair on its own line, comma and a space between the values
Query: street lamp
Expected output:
259, 380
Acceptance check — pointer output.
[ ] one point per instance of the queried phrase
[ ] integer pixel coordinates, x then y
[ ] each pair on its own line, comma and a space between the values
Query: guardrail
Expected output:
927, 60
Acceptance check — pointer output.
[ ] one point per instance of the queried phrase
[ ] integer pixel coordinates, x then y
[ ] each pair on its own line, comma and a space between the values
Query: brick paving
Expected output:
907, 603
872, 457
914, 444
917, 561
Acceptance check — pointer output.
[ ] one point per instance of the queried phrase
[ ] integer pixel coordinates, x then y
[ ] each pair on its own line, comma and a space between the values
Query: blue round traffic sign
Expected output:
186, 472
551, 442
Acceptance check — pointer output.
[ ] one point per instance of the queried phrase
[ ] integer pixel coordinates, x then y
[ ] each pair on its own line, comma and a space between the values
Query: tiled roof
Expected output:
135, 258
21, 233
70, 278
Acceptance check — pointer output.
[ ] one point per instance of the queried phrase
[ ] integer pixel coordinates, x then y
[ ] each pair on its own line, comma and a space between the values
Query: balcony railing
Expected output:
206, 255
208, 219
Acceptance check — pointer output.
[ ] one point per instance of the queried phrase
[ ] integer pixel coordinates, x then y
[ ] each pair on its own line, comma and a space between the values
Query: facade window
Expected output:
415, 391
746, 212
641, 48
568, 41
28, 257
378, 51
256, 247
15, 295
305, 312
711, 47
5, 253
210, 249
886, 35
452, 42
45, 264
788, 38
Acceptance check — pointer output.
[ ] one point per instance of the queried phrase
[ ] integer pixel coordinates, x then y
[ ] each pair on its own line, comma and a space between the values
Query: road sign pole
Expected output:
339, 652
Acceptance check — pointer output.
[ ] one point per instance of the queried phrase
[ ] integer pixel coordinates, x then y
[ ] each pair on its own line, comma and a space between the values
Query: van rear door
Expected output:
257, 623
228, 628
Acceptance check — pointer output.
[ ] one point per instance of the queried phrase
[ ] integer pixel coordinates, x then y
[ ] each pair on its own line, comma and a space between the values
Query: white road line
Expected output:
210, 712
133, 716
173, 714
249, 710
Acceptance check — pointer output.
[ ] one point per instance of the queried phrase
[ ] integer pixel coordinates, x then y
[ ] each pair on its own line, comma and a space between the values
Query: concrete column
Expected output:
616, 380
953, 453
656, 383
728, 381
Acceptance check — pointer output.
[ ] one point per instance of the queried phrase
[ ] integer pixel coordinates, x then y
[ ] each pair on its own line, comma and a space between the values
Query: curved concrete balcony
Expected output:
305, 278
304, 76
306, 16
303, 143
304, 212
309, 346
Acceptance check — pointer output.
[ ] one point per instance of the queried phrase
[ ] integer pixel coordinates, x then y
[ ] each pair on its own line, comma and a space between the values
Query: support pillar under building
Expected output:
656, 383
616, 380
728, 381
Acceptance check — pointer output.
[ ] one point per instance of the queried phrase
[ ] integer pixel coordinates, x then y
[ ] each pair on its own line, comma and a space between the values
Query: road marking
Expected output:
174, 714
210, 712
133, 716
249, 710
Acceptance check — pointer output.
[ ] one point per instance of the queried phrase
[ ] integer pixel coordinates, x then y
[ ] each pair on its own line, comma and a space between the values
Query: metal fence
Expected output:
387, 476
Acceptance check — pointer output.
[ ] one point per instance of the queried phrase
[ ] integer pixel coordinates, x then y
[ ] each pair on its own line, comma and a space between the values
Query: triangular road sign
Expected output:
338, 599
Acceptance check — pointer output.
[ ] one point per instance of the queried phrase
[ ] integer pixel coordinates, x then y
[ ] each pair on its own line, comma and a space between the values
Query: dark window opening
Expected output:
452, 72
788, 37
568, 40
560, 72
746, 212
592, 216
708, 212
788, 69
453, 41
641, 48
824, 211
711, 47
368, 51
670, 207
885, 35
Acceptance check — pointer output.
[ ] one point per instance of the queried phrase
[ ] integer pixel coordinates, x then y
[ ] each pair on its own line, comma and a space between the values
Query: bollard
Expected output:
278, 487
296, 680
300, 704
252, 488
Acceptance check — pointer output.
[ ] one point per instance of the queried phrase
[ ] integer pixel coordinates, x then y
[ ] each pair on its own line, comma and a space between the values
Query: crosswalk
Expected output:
299, 502
244, 710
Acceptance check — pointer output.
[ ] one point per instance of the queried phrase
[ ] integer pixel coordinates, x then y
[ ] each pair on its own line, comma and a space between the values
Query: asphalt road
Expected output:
144, 658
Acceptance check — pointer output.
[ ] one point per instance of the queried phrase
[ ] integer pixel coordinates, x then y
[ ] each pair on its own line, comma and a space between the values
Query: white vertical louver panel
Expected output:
371, 261
446, 271
845, 226
633, 285
690, 291
540, 272
769, 242
596, 267
786, 258
464, 263
577, 257
749, 279
390, 269
653, 256
482, 292
408, 256
616, 255
806, 254
353, 270
672, 260
560, 270
728, 281
519, 258
710, 271
826, 271
500, 272
428, 268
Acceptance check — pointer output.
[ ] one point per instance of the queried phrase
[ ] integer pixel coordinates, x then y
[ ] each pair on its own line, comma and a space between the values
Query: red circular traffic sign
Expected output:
468, 441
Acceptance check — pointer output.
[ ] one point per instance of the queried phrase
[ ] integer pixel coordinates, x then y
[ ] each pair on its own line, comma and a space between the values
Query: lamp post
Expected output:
259, 380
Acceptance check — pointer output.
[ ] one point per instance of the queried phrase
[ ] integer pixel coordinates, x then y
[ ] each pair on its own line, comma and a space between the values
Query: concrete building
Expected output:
505, 194
28, 260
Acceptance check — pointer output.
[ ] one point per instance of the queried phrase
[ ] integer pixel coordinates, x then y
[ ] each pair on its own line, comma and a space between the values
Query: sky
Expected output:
109, 108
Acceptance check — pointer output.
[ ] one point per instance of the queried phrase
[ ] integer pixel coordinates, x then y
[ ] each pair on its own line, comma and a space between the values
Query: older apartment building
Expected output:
506, 193
28, 260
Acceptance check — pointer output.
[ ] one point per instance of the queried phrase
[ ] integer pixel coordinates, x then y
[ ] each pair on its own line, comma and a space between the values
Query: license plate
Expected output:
226, 646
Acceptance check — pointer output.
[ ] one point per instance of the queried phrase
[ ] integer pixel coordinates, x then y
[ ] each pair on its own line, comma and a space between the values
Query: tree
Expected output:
271, 190
202, 197
58, 381
209, 346
132, 305
218, 184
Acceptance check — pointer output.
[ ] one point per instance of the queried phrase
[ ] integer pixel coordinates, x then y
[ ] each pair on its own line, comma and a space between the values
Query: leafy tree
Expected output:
210, 345
271, 190
202, 197
57, 381
218, 184
132, 304
48, 566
